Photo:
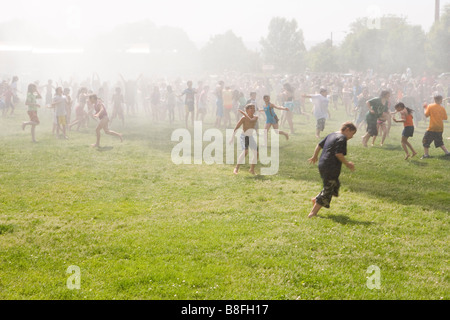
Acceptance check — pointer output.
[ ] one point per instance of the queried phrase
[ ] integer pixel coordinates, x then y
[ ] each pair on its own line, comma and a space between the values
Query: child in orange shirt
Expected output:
408, 124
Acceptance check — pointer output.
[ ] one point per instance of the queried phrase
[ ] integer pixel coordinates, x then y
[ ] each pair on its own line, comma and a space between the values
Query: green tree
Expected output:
438, 43
323, 58
393, 47
284, 46
228, 52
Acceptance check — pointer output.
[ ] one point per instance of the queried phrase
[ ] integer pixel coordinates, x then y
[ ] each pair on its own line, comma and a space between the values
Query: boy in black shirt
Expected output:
334, 148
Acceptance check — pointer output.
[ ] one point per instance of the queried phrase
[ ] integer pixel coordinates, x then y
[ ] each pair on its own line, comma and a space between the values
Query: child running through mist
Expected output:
32, 95
408, 124
271, 118
248, 121
334, 148
102, 115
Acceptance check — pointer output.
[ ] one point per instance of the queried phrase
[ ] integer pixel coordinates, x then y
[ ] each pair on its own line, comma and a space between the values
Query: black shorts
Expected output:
372, 128
408, 131
431, 136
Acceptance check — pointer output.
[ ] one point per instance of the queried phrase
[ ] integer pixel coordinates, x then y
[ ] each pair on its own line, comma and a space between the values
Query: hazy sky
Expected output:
200, 19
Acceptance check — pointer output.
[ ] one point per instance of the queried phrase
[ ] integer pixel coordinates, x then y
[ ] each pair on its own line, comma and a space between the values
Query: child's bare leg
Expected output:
315, 209
365, 139
33, 134
289, 117
405, 148
97, 132
275, 127
383, 137
444, 149
253, 162
240, 161
28, 123
113, 133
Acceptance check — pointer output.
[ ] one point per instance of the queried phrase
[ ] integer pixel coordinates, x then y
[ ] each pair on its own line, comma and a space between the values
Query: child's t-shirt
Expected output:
320, 106
331, 145
31, 99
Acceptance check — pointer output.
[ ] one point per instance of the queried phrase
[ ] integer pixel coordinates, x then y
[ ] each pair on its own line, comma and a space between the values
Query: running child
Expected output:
408, 124
248, 122
60, 105
376, 106
271, 118
80, 114
32, 95
102, 115
320, 109
334, 148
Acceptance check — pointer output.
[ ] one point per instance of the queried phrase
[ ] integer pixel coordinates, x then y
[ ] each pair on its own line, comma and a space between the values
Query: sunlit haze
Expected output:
201, 19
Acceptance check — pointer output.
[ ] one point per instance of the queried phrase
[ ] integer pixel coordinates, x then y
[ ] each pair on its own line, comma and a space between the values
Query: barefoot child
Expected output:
334, 148
376, 106
408, 124
32, 95
320, 109
100, 113
271, 118
60, 105
248, 121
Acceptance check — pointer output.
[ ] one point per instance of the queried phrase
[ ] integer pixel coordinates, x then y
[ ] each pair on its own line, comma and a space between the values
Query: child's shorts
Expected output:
372, 128
33, 116
431, 136
408, 131
248, 142
189, 108
62, 120
320, 124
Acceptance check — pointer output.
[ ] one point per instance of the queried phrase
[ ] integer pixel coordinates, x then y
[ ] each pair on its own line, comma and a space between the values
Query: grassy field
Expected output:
140, 227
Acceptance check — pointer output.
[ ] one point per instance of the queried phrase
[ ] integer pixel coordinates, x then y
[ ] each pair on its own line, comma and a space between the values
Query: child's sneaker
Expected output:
425, 156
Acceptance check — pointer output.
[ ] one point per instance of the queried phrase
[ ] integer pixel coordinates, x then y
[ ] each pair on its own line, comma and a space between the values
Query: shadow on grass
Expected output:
258, 177
445, 158
419, 163
346, 220
103, 149
391, 147
394, 183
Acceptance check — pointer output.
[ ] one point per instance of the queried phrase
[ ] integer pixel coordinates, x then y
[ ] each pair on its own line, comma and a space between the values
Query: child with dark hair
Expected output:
248, 122
376, 106
408, 124
32, 95
334, 148
102, 116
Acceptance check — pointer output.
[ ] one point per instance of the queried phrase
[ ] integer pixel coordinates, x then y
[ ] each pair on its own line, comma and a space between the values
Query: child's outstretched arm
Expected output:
280, 108
248, 117
315, 156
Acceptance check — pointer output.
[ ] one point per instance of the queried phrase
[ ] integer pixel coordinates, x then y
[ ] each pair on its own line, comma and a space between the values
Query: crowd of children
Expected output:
367, 99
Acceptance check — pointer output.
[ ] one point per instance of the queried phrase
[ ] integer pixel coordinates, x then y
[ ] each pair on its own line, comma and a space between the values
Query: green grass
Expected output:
141, 227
